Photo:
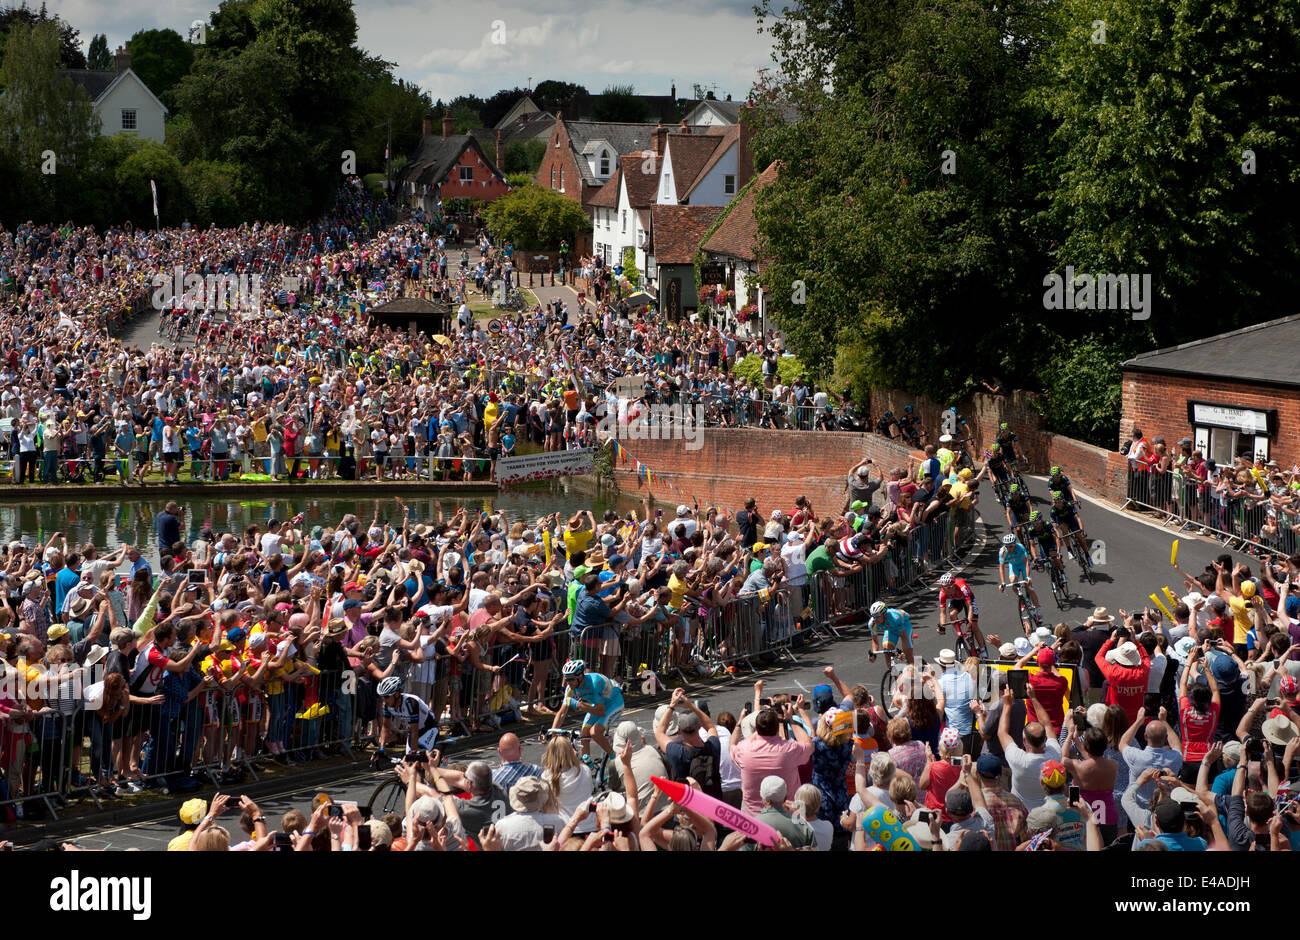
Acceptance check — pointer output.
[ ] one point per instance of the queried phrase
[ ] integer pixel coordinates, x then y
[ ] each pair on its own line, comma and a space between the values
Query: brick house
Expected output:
581, 156
675, 234
1235, 394
452, 166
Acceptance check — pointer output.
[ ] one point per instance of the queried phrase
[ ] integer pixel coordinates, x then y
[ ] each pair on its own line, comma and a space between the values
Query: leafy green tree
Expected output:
70, 54
519, 180
45, 123
97, 56
523, 156
161, 57
620, 103
550, 94
1082, 390
630, 270
535, 218
212, 192
151, 161
387, 105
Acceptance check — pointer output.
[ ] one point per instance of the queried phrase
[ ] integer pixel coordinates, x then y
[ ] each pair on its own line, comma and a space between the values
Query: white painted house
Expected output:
122, 102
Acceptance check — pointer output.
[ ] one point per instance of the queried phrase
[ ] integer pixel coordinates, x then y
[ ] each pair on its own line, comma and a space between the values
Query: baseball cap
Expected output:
1046, 657
351, 586
988, 766
1169, 815
957, 802
1288, 686
351, 604
824, 698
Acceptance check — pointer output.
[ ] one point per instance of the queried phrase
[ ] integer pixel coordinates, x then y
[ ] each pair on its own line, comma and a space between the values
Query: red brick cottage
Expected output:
452, 166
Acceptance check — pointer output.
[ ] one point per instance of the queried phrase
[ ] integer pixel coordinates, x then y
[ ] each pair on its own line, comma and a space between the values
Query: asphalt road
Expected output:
1136, 564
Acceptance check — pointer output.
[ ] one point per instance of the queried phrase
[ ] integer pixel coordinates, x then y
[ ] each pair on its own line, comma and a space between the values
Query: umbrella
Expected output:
440, 339
640, 298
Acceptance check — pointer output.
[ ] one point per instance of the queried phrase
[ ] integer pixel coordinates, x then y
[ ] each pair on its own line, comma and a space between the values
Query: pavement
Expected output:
1135, 564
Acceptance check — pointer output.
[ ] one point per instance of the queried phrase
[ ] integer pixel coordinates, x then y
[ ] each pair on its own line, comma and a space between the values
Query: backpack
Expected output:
704, 768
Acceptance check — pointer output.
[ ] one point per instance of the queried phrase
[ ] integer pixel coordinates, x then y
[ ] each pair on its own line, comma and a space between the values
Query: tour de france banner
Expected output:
986, 686
543, 466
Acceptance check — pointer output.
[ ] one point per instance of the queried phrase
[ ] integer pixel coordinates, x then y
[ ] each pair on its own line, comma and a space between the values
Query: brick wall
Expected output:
772, 466
560, 157
1158, 405
983, 413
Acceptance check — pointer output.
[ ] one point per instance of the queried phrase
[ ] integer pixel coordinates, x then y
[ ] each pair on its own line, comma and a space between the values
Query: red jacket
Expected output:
1125, 685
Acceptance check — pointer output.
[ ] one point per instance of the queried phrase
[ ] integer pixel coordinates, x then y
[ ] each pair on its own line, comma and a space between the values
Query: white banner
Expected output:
543, 466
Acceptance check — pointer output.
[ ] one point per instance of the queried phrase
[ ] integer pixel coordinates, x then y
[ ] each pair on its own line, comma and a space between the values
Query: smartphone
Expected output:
336, 811
924, 816
1018, 680
196, 576
417, 757
1151, 702
609, 837
548, 833
363, 838
1254, 748
1074, 795
591, 806
765, 703
283, 842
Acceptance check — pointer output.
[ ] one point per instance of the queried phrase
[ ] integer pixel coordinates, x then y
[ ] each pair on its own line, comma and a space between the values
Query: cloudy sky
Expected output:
449, 48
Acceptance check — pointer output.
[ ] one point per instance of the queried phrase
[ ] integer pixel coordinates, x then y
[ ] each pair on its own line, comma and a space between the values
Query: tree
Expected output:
98, 57
523, 156
534, 218
620, 104
549, 93
387, 105
70, 54
151, 161
45, 123
161, 57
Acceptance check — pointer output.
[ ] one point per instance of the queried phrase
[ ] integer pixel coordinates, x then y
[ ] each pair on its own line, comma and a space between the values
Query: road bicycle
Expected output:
1030, 617
1060, 582
1081, 554
965, 646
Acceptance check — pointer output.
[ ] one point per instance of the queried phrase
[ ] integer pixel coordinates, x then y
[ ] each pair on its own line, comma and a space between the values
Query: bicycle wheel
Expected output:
886, 699
1023, 606
389, 797
963, 651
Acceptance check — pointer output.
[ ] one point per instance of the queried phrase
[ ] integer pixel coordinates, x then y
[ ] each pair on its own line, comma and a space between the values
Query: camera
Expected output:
335, 811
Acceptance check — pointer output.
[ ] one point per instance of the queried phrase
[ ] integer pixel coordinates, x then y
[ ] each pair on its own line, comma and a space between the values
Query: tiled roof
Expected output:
730, 136
1263, 353
641, 187
607, 196
738, 231
689, 154
94, 81
436, 155
624, 138
676, 231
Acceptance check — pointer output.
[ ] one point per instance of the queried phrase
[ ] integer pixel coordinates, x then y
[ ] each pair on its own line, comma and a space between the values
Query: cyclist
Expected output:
1058, 481
403, 713
956, 594
1068, 524
896, 627
1013, 559
1007, 439
1044, 543
1018, 507
596, 696
995, 462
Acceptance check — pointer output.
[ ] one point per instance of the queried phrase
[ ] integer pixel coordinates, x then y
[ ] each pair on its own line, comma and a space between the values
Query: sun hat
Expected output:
95, 655
1007, 651
946, 657
1096, 714
529, 795
1126, 654
193, 810
1279, 729
1043, 635
672, 721
1099, 615
619, 812
57, 632
1022, 645
1183, 648
949, 738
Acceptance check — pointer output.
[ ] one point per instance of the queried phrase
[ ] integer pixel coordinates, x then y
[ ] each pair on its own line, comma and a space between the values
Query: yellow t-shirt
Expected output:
1241, 618
259, 430
490, 413
577, 541
181, 843
960, 493
678, 587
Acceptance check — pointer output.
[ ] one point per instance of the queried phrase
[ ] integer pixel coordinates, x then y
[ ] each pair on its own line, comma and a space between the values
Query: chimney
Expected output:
683, 129
674, 91
448, 123
498, 159
744, 156
121, 60
661, 138
426, 126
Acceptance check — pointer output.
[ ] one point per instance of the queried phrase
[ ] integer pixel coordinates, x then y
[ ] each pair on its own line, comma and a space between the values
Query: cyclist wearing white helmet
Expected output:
892, 625
1013, 559
404, 714
957, 602
598, 698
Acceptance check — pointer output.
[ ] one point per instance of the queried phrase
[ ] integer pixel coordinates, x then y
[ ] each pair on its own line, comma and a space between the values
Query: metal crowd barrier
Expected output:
1191, 503
168, 738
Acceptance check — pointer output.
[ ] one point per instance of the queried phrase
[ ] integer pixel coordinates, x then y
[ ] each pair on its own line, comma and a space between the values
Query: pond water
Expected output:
108, 521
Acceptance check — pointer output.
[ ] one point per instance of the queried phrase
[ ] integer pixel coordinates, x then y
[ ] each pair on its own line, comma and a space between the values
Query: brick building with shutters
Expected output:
1234, 395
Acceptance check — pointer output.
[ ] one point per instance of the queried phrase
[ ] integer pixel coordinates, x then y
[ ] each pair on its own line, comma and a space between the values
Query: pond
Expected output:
108, 522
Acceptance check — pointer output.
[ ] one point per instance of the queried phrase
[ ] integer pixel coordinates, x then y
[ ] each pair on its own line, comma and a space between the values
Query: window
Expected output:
553, 177
128, 119
729, 185
561, 179
624, 220
604, 163
467, 174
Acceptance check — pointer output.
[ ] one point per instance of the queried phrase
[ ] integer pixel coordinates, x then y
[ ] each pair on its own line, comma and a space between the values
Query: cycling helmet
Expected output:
1056, 494
878, 609
1055, 471
1003, 425
1015, 487
945, 580
390, 686
1034, 516
1008, 539
995, 448
907, 409
574, 667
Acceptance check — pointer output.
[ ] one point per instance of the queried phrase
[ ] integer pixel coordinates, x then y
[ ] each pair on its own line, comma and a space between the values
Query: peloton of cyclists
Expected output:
1044, 543
1018, 507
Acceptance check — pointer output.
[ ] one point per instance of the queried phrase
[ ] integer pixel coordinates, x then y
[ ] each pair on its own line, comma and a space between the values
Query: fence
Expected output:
226, 731
1230, 514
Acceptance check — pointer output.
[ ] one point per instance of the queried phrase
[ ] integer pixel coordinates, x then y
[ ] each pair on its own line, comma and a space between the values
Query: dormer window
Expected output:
604, 163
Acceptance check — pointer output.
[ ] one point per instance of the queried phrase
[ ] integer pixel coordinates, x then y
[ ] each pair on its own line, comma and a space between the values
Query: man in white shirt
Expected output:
1026, 763
523, 830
